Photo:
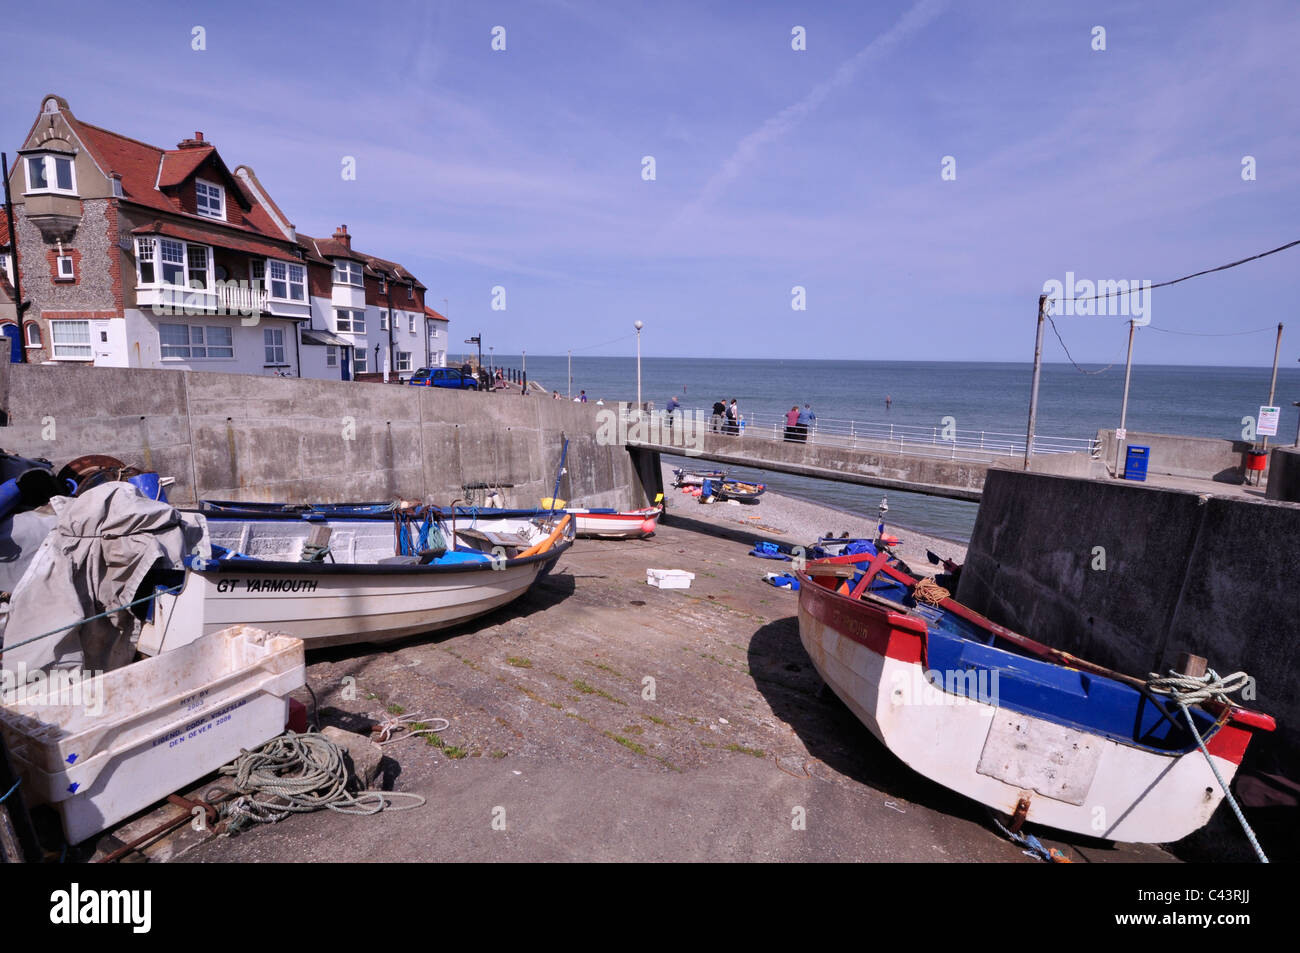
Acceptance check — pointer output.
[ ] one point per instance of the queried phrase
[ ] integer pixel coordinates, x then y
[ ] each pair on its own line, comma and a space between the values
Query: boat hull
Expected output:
1070, 779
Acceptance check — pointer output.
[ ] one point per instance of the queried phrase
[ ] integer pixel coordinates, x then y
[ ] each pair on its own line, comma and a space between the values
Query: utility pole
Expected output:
1272, 387
20, 305
1122, 433
1033, 393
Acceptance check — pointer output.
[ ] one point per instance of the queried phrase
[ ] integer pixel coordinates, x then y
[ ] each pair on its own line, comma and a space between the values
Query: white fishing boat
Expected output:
334, 581
1027, 730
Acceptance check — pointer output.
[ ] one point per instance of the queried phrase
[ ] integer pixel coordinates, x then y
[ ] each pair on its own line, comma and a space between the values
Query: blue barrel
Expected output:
149, 485
1135, 463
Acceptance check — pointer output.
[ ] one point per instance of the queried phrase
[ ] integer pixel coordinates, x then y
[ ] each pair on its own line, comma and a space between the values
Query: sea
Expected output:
1194, 401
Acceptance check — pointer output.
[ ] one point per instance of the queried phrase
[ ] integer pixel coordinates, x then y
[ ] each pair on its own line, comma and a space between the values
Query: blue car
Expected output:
443, 377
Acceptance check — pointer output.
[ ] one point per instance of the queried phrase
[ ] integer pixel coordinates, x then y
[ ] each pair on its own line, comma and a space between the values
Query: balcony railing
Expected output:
240, 298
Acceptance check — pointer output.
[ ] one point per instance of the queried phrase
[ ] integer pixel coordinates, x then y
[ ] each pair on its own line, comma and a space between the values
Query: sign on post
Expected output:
1268, 419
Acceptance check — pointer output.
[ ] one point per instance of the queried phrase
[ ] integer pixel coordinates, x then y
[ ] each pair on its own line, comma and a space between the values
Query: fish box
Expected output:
100, 749
669, 578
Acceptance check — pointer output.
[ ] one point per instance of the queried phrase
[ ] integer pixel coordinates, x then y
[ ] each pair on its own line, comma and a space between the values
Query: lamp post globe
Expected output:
638, 325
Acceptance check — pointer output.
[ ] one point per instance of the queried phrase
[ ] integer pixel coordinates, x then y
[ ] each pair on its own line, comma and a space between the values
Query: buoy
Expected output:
647, 527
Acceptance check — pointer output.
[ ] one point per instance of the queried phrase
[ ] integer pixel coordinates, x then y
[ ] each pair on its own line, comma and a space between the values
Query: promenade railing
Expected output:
939, 441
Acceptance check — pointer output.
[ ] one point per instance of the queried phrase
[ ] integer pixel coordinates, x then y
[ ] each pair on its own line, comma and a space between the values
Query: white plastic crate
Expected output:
669, 578
164, 723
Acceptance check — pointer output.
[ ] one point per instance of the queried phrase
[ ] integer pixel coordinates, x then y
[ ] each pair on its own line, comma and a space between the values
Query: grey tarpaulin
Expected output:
94, 559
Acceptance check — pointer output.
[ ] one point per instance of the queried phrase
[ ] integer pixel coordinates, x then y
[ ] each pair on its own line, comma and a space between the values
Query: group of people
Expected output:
726, 417
797, 423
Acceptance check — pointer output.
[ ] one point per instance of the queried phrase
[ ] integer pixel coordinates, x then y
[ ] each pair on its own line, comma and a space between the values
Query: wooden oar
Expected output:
549, 541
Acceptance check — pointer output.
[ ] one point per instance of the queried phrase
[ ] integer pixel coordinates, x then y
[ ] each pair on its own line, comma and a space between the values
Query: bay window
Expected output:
51, 173
348, 273
288, 282
70, 341
166, 261
195, 341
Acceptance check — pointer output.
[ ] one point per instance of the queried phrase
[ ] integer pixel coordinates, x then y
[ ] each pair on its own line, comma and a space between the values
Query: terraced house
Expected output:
137, 256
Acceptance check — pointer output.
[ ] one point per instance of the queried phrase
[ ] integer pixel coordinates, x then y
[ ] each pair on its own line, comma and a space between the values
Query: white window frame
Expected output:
49, 164
289, 281
410, 324
273, 347
62, 273
410, 292
28, 328
349, 273
149, 248
55, 345
198, 337
331, 355
383, 320
203, 202
360, 360
355, 323
5, 260
403, 362
383, 284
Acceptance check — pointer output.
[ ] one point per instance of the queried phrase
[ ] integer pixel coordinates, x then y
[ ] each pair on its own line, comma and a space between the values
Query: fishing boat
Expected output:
686, 477
1030, 731
738, 490
591, 522
334, 579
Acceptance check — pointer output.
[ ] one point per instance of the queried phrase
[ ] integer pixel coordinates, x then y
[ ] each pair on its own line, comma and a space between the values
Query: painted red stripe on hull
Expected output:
886, 633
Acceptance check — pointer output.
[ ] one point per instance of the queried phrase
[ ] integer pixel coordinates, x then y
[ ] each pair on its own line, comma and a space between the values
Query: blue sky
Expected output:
774, 168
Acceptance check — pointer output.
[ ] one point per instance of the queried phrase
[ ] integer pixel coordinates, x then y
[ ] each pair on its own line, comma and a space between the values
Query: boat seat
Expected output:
399, 561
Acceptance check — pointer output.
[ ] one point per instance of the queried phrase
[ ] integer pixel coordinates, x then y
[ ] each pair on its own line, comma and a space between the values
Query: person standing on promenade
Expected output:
792, 424
715, 421
672, 410
733, 418
805, 420
581, 398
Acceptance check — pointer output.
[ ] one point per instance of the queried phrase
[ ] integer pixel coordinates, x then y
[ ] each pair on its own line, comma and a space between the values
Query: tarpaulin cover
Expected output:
95, 559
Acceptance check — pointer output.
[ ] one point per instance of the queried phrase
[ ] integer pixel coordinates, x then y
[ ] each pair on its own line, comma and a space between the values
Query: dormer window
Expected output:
348, 273
52, 172
210, 199
383, 284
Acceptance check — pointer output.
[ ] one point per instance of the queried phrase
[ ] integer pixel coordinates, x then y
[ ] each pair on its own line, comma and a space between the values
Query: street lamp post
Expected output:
638, 325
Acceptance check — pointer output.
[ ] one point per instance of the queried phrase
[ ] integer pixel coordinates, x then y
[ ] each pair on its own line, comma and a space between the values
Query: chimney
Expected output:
341, 235
293, 232
195, 143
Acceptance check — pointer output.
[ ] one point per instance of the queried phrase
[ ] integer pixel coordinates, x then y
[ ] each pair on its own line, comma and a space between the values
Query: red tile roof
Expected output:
430, 313
4, 229
179, 164
143, 167
219, 237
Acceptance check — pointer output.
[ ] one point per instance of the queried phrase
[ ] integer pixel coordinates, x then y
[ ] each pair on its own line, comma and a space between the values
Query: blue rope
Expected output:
73, 625
11, 791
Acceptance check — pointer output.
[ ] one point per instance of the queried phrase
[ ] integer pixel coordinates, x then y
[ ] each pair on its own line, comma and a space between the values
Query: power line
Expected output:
1207, 271
1211, 334
1072, 360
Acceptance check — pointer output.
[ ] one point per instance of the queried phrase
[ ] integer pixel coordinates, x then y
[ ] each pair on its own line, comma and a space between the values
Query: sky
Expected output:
774, 168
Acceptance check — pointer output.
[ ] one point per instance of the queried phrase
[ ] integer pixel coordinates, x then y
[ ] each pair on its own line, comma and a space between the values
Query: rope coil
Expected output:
298, 774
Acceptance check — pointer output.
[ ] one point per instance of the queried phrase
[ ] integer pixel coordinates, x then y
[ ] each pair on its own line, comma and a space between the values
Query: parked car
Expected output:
443, 377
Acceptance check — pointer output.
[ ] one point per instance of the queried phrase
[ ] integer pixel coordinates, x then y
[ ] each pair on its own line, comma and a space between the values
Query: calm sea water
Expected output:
1197, 401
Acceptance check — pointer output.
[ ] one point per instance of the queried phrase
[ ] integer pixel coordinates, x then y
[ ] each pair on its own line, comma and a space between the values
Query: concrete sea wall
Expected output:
228, 436
1215, 576
1205, 458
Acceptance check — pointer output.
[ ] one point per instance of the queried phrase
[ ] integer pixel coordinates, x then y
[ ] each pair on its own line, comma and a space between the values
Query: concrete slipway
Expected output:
550, 725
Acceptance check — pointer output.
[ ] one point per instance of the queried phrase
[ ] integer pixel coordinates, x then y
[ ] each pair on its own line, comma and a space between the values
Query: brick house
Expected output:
137, 256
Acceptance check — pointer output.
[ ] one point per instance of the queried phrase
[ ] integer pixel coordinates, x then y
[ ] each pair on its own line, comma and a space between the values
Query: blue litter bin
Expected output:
1135, 463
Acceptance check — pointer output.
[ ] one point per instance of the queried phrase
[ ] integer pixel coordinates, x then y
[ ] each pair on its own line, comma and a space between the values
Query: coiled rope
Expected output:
297, 774
1187, 690
928, 591
383, 732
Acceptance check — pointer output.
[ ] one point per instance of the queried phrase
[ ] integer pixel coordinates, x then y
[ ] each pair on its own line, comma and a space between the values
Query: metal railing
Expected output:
938, 440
